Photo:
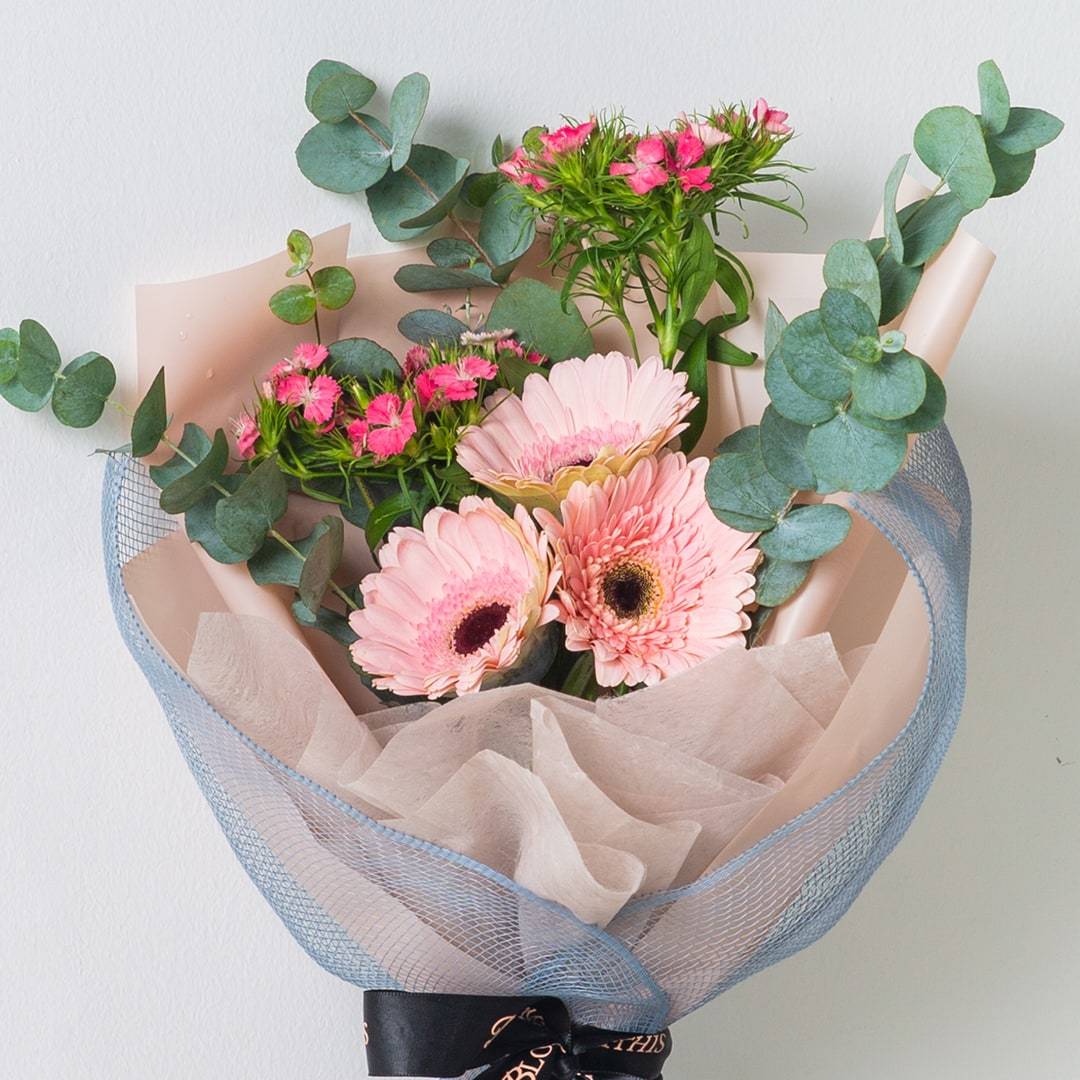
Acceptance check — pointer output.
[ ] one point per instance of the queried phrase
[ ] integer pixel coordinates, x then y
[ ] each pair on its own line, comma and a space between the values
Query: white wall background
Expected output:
146, 142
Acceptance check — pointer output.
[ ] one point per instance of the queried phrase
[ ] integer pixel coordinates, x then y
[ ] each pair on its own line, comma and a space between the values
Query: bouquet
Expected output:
564, 652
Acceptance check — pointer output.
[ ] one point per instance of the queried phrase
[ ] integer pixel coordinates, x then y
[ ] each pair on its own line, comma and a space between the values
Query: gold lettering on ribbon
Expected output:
499, 1027
531, 1069
639, 1044
366, 1040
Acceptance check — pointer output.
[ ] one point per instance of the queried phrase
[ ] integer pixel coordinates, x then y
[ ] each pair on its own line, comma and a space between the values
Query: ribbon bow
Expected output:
516, 1038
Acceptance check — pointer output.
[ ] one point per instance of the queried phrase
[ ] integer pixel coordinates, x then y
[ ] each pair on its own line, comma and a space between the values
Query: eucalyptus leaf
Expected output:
929, 225
890, 389
849, 324
993, 97
150, 420
1028, 129
449, 251
340, 96
850, 267
743, 493
186, 490
812, 361
9, 354
416, 277
774, 328
745, 440
39, 359
322, 71
301, 251
295, 304
898, 282
950, 142
334, 287
407, 203
892, 225
345, 157
1011, 171
194, 445
847, 455
362, 359
790, 399
429, 324
479, 188
507, 226
776, 581
407, 105
806, 533
783, 449
321, 562
928, 415
201, 526
535, 312
330, 622
80, 396
244, 519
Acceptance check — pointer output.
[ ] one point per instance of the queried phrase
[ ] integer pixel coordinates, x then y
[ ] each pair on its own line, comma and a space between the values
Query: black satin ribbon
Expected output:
511, 1038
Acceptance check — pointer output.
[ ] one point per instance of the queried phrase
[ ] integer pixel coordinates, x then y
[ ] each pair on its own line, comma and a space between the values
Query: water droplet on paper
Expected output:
210, 373
183, 335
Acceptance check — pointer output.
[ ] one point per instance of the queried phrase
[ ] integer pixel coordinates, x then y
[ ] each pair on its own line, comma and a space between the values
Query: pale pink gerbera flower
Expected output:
318, 396
455, 602
590, 419
652, 582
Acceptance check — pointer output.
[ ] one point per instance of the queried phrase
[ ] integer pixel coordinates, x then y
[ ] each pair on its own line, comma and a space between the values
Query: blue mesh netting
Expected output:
384, 910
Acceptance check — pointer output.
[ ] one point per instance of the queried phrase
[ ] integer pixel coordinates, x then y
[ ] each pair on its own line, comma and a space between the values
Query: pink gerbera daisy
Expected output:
652, 582
455, 602
391, 425
590, 419
318, 396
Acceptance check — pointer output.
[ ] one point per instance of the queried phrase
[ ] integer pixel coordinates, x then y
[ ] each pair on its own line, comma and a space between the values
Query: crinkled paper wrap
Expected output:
588, 805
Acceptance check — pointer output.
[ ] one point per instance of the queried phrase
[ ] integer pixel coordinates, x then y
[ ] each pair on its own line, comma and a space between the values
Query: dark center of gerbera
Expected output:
630, 589
478, 627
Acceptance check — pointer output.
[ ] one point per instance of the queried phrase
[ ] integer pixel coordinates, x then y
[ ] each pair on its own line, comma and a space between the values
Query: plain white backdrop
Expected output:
149, 142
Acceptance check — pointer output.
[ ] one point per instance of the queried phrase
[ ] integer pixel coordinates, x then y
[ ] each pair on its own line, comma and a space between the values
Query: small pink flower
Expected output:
771, 120
518, 168
416, 360
709, 134
509, 345
280, 370
688, 150
535, 358
247, 434
477, 367
357, 433
645, 172
309, 355
696, 179
566, 139
391, 425
318, 396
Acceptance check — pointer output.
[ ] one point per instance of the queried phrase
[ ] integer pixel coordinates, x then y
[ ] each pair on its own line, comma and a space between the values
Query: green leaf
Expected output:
892, 225
774, 328
514, 370
275, 564
722, 351
301, 250
429, 324
407, 203
186, 490
1011, 171
695, 362
806, 533
244, 519
847, 455
850, 267
811, 360
892, 388
777, 581
340, 96
324, 70
362, 359
745, 440
898, 282
201, 527
783, 449
416, 277
79, 398
322, 560
743, 493
928, 415
993, 97
893, 341
327, 620
697, 266
850, 325
507, 226
789, 399
39, 360
345, 157
9, 354
334, 287
535, 312
407, 105
479, 188
150, 420
581, 679
929, 226
950, 142
294, 304
1028, 129
194, 444
451, 252
385, 516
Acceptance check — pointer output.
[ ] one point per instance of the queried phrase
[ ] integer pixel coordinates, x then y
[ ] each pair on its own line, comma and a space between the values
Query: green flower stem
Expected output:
318, 332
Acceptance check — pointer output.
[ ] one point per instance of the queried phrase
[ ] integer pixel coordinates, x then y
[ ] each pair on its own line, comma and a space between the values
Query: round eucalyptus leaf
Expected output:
774, 328
892, 388
407, 105
194, 445
345, 157
507, 226
321, 561
993, 97
1011, 171
244, 518
407, 203
416, 277
80, 395
452, 252
322, 71
334, 287
850, 267
847, 321
950, 142
898, 282
300, 249
783, 449
925, 418
742, 441
429, 325
792, 401
928, 225
534, 310
9, 354
188, 488
892, 341
1028, 129
777, 580
294, 304
39, 359
341, 96
361, 359
806, 533
743, 493
201, 528
811, 361
847, 455
479, 187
